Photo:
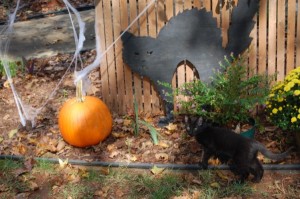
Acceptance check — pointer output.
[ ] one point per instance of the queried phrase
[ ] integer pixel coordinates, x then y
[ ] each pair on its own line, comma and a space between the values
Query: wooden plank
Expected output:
104, 64
155, 100
136, 77
290, 51
298, 37
100, 33
146, 88
169, 9
216, 11
253, 49
207, 5
188, 4
128, 102
272, 37
198, 4
118, 57
143, 19
160, 10
225, 21
189, 67
179, 6
262, 37
281, 40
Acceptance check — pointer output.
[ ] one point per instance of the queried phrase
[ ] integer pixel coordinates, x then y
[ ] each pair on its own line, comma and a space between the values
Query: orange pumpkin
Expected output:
84, 121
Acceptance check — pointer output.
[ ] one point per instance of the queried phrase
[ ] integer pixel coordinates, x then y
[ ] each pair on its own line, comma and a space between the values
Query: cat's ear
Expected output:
200, 121
186, 119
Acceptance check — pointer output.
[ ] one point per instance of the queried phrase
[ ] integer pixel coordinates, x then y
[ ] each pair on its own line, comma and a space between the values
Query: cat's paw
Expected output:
203, 165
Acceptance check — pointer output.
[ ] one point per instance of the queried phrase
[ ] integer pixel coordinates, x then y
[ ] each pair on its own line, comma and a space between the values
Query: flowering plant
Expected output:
283, 104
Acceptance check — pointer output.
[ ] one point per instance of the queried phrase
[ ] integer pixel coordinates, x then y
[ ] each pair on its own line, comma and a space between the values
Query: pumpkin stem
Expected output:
79, 96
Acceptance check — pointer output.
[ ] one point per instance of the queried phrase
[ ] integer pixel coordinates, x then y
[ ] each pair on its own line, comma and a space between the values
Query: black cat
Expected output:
240, 152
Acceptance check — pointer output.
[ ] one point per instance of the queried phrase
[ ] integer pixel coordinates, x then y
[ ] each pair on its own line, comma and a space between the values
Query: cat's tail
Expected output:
279, 156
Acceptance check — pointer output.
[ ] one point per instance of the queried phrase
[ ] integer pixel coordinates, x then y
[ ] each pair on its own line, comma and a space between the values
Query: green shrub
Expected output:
230, 96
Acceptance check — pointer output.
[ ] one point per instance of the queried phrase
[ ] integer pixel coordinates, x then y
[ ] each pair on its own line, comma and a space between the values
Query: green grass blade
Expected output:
152, 130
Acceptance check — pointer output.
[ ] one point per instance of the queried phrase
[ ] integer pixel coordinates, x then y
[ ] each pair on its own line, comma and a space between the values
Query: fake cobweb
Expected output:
28, 113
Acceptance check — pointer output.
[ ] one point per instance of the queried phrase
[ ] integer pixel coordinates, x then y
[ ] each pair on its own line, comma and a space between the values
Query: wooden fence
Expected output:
275, 46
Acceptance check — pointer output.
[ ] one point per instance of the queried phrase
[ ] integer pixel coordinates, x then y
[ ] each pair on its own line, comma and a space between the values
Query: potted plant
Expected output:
283, 103
229, 98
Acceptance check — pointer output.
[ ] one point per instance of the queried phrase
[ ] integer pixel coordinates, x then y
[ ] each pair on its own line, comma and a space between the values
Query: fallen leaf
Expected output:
270, 128
161, 156
61, 145
119, 120
19, 172
127, 122
114, 154
163, 144
22, 195
1, 139
215, 185
33, 186
63, 164
119, 193
172, 127
105, 170
221, 175
29, 163
111, 147
156, 170
6, 117
3, 188
12, 133
119, 134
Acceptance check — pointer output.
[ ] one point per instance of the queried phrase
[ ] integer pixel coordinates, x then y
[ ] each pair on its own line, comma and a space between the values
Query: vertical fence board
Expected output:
104, 67
118, 56
281, 40
253, 49
110, 56
153, 32
197, 4
225, 19
216, 11
290, 51
207, 4
169, 9
262, 37
272, 37
146, 95
127, 71
136, 77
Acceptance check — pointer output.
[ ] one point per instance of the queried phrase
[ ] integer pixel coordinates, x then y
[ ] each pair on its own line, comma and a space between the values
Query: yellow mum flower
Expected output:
297, 92
280, 108
298, 116
299, 110
275, 110
280, 99
291, 84
287, 88
293, 119
271, 95
267, 102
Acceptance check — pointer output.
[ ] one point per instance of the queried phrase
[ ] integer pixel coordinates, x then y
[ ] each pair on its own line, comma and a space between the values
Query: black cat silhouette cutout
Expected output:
192, 35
